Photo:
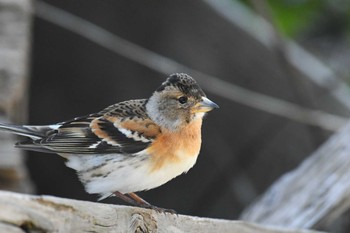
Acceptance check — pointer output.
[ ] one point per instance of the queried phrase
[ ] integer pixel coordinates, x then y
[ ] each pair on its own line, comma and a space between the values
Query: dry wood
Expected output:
314, 194
15, 24
13, 173
26, 213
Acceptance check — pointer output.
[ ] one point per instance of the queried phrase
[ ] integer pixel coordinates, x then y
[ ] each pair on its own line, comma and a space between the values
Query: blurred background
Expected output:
268, 64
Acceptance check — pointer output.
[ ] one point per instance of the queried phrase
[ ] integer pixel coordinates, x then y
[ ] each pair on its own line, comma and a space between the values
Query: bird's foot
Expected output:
159, 209
134, 199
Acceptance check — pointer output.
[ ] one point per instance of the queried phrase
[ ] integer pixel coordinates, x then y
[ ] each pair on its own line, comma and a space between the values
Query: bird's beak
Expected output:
206, 105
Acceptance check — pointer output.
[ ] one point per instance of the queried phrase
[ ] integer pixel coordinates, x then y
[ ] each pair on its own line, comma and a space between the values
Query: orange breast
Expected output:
174, 147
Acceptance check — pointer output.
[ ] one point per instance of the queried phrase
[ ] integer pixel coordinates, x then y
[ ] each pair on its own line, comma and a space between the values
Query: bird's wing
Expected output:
121, 128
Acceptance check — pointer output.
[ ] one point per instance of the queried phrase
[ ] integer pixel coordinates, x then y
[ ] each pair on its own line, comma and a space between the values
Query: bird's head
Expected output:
177, 102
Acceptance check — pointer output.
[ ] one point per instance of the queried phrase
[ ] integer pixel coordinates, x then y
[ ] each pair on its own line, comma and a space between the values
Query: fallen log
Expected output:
314, 194
28, 213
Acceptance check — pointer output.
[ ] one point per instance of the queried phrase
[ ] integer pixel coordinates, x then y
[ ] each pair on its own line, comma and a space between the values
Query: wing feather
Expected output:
120, 128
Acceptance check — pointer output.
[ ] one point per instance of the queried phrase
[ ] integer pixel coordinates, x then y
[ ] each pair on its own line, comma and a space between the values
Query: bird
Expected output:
131, 146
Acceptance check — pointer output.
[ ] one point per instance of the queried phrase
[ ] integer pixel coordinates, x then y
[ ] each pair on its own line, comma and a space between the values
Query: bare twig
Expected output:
261, 30
302, 93
166, 65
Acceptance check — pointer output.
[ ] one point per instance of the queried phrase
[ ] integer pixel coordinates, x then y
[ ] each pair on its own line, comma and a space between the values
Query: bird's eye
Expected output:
183, 99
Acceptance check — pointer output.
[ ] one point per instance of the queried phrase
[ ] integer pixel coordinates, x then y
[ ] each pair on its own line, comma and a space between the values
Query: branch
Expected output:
28, 213
261, 30
165, 65
314, 194
15, 17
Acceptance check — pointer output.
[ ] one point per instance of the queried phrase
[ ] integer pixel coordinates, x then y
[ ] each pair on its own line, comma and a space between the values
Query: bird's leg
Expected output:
142, 203
125, 198
134, 199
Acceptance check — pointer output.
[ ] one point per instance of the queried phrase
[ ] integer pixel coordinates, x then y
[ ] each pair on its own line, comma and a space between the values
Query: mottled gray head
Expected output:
177, 102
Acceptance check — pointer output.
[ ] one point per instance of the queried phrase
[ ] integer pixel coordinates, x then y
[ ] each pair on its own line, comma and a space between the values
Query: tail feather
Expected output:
32, 146
34, 132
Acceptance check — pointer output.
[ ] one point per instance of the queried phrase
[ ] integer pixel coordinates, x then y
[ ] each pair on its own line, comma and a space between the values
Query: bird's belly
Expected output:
105, 174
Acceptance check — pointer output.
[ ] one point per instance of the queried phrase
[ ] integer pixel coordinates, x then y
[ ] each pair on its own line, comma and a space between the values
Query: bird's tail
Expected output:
32, 131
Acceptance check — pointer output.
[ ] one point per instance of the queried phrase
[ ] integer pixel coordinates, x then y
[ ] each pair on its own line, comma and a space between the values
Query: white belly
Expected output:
105, 174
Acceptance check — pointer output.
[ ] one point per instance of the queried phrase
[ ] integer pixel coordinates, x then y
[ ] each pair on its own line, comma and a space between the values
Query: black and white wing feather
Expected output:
120, 128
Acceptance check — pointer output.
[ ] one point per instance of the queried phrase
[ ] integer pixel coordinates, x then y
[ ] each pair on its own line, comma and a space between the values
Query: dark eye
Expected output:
183, 99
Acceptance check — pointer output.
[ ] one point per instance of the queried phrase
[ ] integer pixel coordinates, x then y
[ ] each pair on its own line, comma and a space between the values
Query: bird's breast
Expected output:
177, 149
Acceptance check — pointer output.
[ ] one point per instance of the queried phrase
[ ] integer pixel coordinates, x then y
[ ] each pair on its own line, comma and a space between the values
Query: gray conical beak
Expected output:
206, 105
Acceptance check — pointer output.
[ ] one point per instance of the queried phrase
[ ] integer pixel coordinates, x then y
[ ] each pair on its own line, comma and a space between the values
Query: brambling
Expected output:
130, 146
